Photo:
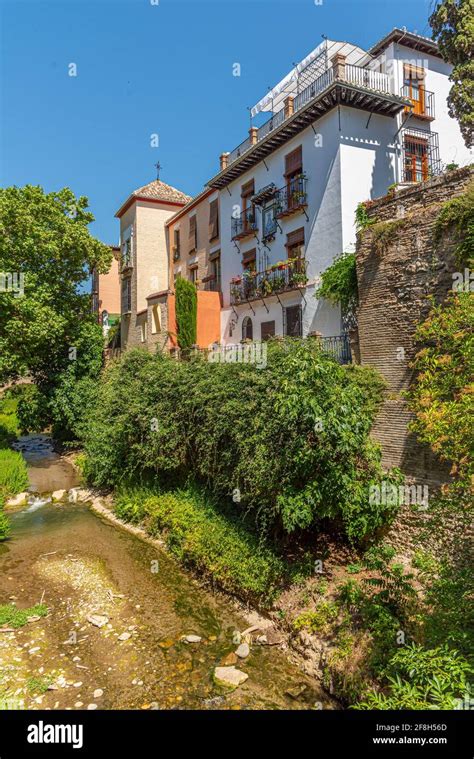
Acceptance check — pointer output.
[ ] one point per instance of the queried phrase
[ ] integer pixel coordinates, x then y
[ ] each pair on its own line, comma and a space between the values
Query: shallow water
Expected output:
79, 565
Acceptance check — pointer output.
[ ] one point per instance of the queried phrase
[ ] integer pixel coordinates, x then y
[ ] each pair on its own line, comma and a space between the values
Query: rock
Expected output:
124, 636
297, 691
78, 704
262, 639
34, 650
98, 620
243, 650
98, 693
192, 638
58, 495
167, 643
18, 500
229, 677
273, 636
79, 495
91, 706
229, 660
77, 685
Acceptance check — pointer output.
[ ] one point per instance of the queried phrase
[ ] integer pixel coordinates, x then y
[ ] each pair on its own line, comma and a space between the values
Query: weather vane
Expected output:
158, 168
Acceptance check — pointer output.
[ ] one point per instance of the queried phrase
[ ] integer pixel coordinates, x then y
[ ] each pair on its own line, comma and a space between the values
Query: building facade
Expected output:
345, 125
105, 290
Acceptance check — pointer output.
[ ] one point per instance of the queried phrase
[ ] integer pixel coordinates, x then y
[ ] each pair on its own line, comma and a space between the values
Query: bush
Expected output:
199, 535
290, 441
422, 679
442, 397
339, 282
4, 521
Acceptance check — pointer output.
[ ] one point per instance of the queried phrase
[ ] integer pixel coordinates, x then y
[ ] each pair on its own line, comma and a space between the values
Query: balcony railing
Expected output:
292, 197
287, 275
423, 102
245, 224
339, 347
421, 157
356, 75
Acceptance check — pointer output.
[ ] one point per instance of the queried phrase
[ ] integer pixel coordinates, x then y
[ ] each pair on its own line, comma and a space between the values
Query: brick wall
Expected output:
398, 266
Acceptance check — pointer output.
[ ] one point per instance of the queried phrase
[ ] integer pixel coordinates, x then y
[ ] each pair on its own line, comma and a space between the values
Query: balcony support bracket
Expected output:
250, 306
264, 163
263, 301
236, 247
304, 211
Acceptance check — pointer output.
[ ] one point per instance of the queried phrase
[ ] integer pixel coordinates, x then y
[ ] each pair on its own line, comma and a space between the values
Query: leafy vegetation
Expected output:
453, 30
215, 543
289, 443
13, 473
442, 396
339, 282
13, 617
362, 218
186, 313
457, 215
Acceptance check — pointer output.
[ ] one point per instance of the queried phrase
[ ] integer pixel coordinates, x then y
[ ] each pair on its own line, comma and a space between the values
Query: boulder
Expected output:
229, 677
98, 620
58, 495
18, 500
243, 651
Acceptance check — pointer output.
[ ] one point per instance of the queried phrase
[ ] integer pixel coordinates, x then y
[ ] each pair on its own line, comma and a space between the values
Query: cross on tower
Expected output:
158, 167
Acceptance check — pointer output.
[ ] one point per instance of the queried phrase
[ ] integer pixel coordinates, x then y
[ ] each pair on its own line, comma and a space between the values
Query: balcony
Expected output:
422, 102
284, 276
291, 198
245, 224
341, 83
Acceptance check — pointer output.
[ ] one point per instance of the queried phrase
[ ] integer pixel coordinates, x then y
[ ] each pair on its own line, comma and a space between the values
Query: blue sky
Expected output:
146, 69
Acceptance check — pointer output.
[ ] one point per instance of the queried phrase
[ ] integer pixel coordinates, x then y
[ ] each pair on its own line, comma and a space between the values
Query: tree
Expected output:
186, 313
47, 328
452, 22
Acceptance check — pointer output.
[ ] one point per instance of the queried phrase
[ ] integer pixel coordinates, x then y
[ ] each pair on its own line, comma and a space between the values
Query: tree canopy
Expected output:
452, 22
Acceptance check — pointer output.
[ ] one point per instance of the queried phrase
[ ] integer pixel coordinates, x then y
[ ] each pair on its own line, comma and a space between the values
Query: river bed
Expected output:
81, 566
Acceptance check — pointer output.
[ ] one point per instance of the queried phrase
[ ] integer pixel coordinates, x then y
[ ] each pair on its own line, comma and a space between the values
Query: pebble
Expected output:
77, 685
91, 706
243, 650
78, 704
192, 638
98, 693
124, 636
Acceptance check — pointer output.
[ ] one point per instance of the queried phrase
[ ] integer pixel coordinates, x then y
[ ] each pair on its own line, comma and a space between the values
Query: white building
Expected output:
345, 125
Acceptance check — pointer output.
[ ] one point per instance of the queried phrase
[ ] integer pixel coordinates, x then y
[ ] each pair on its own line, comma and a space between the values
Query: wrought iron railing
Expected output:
291, 197
338, 346
355, 75
423, 101
287, 275
245, 224
421, 157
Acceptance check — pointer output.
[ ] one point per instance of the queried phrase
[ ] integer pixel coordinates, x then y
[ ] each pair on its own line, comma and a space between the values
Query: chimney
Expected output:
339, 66
253, 132
224, 159
289, 105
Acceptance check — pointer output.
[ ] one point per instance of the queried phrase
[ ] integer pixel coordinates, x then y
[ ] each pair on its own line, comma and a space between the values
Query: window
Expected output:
416, 159
269, 222
192, 233
247, 329
143, 332
267, 330
215, 283
293, 321
414, 87
248, 208
126, 295
249, 260
295, 243
155, 320
193, 274
213, 220
176, 246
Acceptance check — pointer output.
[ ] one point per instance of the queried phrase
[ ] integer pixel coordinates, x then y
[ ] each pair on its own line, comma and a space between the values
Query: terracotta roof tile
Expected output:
159, 190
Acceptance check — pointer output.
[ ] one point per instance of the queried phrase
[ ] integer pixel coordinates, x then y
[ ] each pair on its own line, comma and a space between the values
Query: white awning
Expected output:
273, 100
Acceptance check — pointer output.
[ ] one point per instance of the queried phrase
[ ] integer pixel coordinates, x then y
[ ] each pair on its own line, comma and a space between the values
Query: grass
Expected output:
13, 617
39, 684
13, 472
9, 427
216, 544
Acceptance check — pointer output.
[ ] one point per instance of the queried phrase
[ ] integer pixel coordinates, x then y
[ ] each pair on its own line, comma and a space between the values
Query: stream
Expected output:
82, 566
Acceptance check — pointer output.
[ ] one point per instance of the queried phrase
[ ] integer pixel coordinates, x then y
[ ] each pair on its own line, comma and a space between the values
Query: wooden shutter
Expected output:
213, 220
267, 330
248, 189
294, 162
295, 238
192, 233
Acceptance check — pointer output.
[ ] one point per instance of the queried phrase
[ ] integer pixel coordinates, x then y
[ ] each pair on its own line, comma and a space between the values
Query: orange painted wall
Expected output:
109, 290
208, 318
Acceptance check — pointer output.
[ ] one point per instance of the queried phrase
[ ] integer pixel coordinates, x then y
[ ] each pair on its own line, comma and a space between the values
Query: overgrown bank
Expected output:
13, 474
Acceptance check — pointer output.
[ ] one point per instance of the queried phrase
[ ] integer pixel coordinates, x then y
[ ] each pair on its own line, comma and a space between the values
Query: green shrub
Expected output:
13, 617
457, 215
186, 313
422, 679
318, 620
291, 439
339, 282
199, 535
13, 472
4, 521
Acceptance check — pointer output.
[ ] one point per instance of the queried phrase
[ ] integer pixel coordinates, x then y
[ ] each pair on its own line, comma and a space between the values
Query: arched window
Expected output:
247, 329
